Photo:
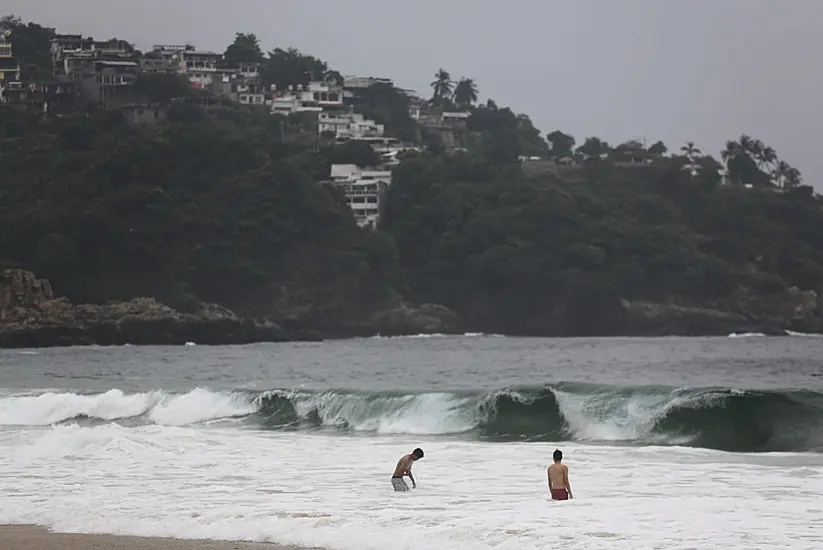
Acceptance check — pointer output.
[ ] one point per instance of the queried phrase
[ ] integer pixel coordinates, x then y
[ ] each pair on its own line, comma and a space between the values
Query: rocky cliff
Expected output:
742, 312
31, 316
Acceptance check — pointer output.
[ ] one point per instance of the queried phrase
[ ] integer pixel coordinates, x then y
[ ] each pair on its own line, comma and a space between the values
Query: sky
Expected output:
704, 70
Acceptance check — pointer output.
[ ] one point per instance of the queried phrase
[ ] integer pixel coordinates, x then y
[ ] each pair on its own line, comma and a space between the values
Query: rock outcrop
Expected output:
31, 316
409, 320
742, 312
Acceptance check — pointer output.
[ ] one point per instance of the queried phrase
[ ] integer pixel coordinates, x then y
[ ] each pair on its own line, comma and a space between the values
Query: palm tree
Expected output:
442, 85
793, 178
746, 143
729, 154
767, 157
780, 172
690, 151
465, 93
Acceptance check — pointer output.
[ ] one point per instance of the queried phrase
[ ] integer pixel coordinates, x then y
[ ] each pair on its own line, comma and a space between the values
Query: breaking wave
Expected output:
715, 418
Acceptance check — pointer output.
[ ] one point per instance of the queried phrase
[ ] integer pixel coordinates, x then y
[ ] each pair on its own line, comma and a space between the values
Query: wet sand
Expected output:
30, 537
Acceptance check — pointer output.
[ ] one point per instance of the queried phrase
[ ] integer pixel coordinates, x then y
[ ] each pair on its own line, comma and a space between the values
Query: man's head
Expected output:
558, 455
417, 454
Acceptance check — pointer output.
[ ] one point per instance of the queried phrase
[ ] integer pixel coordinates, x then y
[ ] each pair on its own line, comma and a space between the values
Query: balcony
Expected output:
116, 79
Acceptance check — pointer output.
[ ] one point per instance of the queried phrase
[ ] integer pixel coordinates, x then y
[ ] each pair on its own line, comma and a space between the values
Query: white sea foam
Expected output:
47, 408
747, 335
334, 492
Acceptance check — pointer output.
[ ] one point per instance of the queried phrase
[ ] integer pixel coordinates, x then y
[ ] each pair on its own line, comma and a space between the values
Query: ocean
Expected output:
671, 443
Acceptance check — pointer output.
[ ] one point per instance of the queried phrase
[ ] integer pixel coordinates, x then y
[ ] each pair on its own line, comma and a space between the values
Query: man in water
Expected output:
403, 468
559, 485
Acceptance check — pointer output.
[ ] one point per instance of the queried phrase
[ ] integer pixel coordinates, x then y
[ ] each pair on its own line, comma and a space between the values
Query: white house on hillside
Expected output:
200, 67
364, 189
316, 97
348, 125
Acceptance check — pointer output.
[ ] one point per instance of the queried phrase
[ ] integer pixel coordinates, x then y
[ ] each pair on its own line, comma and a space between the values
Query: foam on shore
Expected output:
31, 537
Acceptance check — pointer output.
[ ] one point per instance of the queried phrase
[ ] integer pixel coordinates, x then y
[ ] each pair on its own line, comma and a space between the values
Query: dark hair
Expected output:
558, 455
418, 452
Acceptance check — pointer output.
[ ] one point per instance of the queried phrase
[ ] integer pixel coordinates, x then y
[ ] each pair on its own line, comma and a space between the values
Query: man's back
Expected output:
558, 474
559, 485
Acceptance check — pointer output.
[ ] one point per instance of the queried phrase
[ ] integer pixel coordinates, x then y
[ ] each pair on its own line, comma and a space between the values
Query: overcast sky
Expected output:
702, 70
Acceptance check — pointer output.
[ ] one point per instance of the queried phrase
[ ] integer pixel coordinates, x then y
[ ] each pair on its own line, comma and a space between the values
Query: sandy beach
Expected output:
30, 537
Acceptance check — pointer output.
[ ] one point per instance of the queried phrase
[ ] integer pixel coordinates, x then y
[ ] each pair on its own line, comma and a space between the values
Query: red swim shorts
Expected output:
560, 494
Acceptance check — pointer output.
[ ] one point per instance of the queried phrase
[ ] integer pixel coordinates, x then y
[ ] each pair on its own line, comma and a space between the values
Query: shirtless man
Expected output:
559, 485
403, 468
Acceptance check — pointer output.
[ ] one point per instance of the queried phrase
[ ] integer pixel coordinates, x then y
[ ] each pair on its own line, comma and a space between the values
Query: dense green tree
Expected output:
593, 147
290, 67
658, 149
385, 104
442, 86
465, 93
162, 87
31, 45
562, 145
244, 49
210, 206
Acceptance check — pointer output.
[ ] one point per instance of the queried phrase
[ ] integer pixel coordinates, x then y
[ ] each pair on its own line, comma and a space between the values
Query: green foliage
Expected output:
351, 152
284, 68
31, 45
562, 145
162, 87
509, 251
244, 49
215, 207
465, 93
227, 206
442, 86
505, 135
387, 105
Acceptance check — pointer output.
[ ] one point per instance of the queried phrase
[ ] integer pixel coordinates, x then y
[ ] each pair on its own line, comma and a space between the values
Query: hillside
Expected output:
221, 214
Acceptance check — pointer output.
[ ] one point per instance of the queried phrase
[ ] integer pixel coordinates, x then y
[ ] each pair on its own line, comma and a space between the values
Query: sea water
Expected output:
671, 443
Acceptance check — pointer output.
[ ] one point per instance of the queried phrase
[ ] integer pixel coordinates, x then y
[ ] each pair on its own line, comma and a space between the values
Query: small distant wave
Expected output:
716, 418
747, 335
804, 334
438, 335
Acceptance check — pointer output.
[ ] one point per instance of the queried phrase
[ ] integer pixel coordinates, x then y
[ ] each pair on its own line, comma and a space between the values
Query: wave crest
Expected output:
717, 418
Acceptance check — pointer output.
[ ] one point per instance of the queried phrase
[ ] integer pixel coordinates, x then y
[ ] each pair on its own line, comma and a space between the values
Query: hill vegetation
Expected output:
228, 206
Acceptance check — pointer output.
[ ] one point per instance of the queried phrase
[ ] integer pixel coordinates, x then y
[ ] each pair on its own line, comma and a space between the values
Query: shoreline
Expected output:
784, 333
34, 537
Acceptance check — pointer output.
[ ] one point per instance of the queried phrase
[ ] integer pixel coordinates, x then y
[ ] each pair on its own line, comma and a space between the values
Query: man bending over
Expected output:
403, 468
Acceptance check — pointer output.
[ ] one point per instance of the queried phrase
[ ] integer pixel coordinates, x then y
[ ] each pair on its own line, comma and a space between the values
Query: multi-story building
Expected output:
37, 96
249, 93
364, 189
9, 65
5, 45
152, 63
315, 97
200, 67
437, 119
363, 82
348, 125
110, 83
249, 71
